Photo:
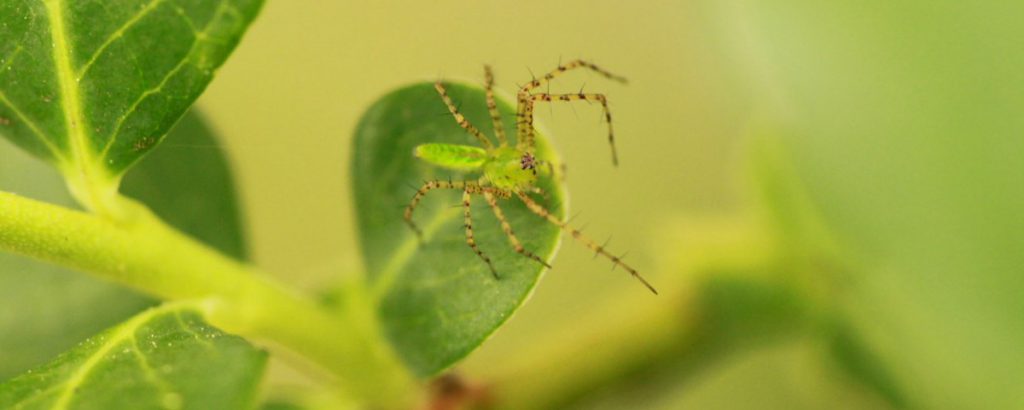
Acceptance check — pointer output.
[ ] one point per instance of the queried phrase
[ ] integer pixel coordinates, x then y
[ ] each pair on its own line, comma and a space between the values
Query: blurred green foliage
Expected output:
902, 127
830, 192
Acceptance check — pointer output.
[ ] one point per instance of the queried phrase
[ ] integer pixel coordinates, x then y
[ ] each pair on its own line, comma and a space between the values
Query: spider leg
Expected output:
524, 123
562, 68
576, 234
421, 192
459, 118
533, 98
470, 240
524, 110
493, 202
492, 107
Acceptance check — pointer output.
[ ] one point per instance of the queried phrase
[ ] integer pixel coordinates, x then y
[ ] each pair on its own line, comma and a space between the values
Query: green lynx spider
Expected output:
509, 171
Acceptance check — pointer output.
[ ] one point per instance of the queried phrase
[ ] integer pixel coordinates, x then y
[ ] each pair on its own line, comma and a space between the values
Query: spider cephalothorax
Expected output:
508, 170
528, 162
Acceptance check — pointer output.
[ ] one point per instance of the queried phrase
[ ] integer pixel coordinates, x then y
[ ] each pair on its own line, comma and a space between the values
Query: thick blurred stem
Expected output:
140, 251
557, 373
638, 344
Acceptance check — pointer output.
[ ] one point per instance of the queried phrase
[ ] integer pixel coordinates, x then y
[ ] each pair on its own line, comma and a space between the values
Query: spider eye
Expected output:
527, 162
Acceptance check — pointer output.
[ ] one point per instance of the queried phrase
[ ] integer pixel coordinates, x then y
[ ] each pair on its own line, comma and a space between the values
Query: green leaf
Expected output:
166, 357
46, 309
91, 85
438, 300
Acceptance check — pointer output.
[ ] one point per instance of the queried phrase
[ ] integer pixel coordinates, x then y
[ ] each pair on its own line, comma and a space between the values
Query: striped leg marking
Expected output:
493, 202
470, 240
421, 192
531, 99
576, 234
537, 82
459, 118
492, 107
524, 114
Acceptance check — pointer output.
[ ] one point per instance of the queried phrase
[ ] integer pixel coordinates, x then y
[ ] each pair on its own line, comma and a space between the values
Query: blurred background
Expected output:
827, 194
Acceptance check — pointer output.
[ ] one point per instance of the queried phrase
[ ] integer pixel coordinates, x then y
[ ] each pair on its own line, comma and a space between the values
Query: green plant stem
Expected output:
612, 350
142, 252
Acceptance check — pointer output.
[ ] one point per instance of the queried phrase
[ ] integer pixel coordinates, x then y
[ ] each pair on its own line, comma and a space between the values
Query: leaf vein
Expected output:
117, 34
75, 122
38, 395
120, 334
32, 127
198, 38
188, 329
151, 373
405, 252
10, 58
8, 61
135, 105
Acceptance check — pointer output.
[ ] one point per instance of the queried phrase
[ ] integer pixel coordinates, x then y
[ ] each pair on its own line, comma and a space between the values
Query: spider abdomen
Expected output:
452, 156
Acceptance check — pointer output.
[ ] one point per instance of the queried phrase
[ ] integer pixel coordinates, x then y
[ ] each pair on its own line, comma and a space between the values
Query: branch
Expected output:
142, 252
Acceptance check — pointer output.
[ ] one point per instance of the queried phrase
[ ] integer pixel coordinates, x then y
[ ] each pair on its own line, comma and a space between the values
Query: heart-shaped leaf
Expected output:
46, 309
92, 85
438, 300
162, 358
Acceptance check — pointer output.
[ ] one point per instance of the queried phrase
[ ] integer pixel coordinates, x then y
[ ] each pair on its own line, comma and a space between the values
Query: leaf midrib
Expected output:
71, 104
124, 332
404, 253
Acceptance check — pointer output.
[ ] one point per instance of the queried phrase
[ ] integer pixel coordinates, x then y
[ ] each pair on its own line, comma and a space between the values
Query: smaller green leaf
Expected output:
438, 300
166, 357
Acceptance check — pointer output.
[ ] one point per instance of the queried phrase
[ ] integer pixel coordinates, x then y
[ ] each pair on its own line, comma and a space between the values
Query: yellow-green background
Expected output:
289, 98
901, 119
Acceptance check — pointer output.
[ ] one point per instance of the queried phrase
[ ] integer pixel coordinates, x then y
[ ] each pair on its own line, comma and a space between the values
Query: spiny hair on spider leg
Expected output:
602, 247
414, 187
574, 216
618, 260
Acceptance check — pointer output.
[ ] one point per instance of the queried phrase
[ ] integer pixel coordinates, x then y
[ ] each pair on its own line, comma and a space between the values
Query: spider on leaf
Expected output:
507, 170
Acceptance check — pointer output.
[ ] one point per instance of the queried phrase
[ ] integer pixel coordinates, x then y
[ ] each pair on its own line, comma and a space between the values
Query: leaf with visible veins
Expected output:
165, 357
438, 300
92, 85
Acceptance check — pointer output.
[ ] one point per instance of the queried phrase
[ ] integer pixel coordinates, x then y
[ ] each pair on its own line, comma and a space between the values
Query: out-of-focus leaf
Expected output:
166, 357
91, 86
903, 119
852, 357
188, 183
438, 300
47, 309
